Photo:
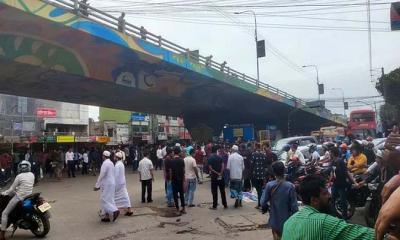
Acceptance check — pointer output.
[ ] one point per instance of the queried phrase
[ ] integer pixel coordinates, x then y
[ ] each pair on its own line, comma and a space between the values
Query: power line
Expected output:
269, 25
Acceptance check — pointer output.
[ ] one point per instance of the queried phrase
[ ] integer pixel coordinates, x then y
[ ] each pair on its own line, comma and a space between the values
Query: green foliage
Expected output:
390, 113
389, 87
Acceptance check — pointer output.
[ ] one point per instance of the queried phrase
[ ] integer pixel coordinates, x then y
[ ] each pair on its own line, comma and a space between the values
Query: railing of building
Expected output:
119, 23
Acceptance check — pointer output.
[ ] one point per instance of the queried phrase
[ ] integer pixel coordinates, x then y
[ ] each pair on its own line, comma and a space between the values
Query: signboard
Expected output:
139, 117
261, 48
47, 139
395, 16
102, 139
238, 132
17, 126
82, 139
162, 136
28, 126
65, 139
46, 113
316, 104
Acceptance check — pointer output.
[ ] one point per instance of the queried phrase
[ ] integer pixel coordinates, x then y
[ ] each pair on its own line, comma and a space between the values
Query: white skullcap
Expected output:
118, 155
177, 145
235, 148
106, 153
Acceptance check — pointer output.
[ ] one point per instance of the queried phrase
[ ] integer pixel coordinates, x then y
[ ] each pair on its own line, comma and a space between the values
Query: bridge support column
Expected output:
201, 128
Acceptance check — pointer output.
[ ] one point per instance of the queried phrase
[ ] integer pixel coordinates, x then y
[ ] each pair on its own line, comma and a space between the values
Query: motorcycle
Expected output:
373, 205
356, 197
31, 214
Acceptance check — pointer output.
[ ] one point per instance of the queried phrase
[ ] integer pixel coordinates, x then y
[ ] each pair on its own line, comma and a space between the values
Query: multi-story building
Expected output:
143, 127
22, 117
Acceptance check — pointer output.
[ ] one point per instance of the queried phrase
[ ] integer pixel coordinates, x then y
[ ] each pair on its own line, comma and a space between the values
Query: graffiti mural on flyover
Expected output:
103, 53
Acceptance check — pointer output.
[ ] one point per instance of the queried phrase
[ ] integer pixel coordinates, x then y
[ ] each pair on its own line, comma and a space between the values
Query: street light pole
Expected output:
341, 89
256, 39
316, 69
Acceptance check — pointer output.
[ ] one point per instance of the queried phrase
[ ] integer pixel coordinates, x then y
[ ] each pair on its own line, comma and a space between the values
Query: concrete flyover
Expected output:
51, 50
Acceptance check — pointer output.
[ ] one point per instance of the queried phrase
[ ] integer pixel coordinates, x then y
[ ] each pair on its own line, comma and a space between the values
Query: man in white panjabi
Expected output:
106, 183
122, 200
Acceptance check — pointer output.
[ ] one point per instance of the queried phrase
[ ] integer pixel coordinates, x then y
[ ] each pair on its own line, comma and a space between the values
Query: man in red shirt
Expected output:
199, 157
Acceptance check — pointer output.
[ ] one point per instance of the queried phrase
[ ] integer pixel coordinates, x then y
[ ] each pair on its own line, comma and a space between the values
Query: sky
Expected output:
331, 34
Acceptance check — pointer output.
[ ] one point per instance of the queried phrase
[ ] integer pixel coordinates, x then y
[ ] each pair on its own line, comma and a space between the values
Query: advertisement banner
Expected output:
46, 113
65, 139
82, 139
102, 139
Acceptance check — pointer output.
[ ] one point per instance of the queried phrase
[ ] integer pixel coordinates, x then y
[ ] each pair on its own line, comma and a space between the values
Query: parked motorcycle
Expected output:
31, 214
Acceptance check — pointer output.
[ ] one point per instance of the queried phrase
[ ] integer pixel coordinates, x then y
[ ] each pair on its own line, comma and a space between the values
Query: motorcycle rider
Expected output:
357, 163
19, 190
314, 153
345, 152
294, 160
342, 180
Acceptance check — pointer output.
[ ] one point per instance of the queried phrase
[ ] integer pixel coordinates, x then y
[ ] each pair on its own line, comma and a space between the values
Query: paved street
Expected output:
75, 207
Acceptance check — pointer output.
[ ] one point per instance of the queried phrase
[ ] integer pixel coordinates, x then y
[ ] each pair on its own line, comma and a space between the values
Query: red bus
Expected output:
362, 123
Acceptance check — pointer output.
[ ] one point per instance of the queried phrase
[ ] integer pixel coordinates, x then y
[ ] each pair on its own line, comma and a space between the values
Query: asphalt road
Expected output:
75, 209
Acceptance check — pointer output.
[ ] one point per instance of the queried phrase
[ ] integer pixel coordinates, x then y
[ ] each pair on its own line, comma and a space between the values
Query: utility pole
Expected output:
256, 38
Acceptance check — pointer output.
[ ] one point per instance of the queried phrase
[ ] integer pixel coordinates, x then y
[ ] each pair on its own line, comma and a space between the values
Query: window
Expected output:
363, 117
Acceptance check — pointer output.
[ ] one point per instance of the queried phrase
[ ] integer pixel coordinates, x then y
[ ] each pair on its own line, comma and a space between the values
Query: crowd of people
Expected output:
241, 166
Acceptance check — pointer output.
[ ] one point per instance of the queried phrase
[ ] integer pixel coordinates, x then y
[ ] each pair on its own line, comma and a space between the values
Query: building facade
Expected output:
22, 117
150, 128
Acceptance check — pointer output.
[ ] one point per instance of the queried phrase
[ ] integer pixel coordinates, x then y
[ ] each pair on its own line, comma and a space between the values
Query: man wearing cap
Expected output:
121, 193
236, 167
106, 183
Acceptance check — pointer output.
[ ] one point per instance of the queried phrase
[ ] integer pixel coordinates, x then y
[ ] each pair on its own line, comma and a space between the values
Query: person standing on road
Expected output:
121, 192
176, 169
259, 171
216, 167
106, 183
146, 177
168, 184
191, 175
236, 167
69, 160
160, 157
85, 162
245, 153
282, 198
199, 156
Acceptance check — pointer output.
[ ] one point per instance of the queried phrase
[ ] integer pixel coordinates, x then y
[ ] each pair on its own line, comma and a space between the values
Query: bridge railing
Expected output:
119, 23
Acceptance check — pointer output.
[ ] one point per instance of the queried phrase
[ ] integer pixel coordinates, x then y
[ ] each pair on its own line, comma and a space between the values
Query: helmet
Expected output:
24, 166
286, 147
312, 147
343, 146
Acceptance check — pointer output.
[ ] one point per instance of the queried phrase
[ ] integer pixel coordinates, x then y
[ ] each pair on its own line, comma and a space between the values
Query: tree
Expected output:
389, 86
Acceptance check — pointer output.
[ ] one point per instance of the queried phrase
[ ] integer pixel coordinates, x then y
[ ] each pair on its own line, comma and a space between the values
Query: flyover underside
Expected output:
212, 106
43, 59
